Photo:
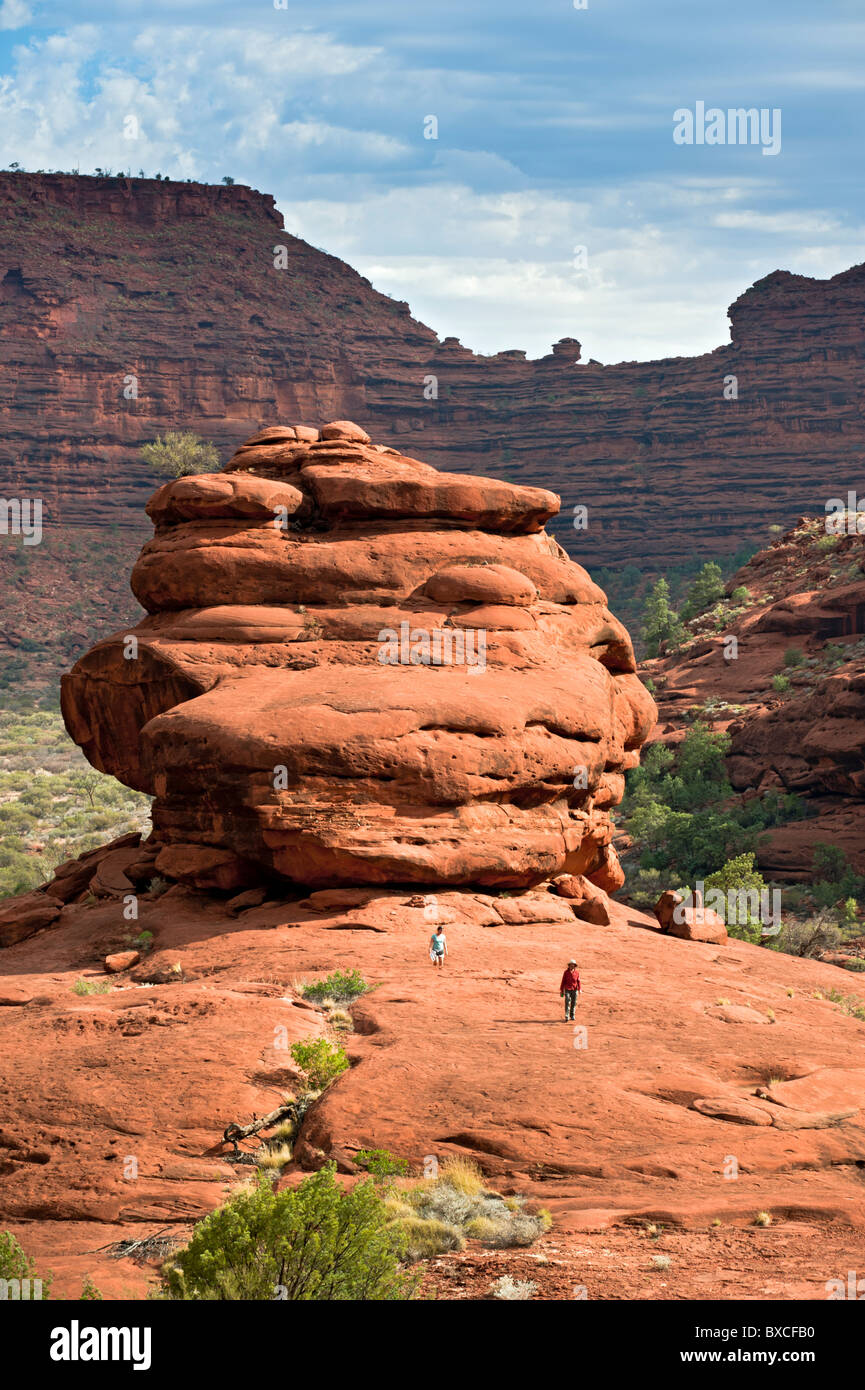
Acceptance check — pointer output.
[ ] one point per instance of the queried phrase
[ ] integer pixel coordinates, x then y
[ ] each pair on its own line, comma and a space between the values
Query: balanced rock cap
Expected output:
355, 668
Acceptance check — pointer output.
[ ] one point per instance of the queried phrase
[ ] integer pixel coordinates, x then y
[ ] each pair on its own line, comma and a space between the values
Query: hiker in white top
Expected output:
438, 946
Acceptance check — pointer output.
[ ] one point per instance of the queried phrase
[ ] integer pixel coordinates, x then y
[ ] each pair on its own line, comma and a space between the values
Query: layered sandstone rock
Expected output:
666, 460
356, 668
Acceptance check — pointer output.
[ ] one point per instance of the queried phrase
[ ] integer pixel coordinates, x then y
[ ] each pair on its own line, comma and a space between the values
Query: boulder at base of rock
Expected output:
121, 960
593, 906
25, 915
110, 880
699, 924
666, 906
14, 996
253, 897
198, 866
610, 877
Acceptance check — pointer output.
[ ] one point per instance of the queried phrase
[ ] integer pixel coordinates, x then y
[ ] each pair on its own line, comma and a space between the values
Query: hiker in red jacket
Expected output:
570, 988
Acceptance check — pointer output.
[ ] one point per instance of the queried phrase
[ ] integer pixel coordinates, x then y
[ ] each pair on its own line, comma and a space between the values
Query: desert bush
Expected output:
809, 938
322, 1061
317, 1242
794, 656
85, 987
780, 683
179, 453
463, 1174
14, 1264
273, 1156
476, 1212
342, 987
513, 1289
381, 1163
427, 1236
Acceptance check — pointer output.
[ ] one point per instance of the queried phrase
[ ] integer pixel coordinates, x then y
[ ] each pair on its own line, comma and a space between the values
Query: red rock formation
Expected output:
104, 279
358, 669
805, 601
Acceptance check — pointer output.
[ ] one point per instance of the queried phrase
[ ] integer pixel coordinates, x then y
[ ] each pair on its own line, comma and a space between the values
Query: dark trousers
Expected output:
570, 1002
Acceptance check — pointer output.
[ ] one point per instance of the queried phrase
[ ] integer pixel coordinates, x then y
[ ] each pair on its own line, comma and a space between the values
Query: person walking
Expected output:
438, 947
570, 989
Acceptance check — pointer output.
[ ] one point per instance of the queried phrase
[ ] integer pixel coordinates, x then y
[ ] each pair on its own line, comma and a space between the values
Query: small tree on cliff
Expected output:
660, 621
180, 452
706, 589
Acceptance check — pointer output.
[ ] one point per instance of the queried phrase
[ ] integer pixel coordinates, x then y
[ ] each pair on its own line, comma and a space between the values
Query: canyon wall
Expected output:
184, 288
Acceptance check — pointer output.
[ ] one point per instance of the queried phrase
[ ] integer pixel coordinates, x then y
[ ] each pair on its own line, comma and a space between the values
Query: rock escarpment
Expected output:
132, 306
356, 668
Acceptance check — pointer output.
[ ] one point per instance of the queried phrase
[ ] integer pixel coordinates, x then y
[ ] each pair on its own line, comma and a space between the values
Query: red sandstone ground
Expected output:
475, 1061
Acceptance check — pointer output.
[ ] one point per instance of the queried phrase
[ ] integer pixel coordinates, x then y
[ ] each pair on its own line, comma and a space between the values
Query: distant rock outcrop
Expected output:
790, 690
357, 669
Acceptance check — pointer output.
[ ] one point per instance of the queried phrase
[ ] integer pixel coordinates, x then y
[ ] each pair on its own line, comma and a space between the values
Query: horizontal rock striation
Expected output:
227, 322
355, 668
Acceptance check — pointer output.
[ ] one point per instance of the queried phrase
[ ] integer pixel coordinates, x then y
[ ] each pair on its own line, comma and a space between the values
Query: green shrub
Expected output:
342, 986
382, 1163
14, 1264
683, 818
706, 589
317, 1242
741, 594
741, 877
660, 621
425, 1238
794, 656
179, 453
781, 683
322, 1061
85, 987
809, 938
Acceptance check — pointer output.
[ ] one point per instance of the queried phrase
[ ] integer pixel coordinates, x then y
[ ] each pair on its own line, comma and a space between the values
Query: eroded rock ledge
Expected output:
358, 669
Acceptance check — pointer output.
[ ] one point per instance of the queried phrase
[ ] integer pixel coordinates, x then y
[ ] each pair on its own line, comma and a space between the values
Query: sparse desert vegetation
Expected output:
53, 804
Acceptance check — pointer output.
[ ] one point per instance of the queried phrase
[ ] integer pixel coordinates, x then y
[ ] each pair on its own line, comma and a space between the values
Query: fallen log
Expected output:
233, 1133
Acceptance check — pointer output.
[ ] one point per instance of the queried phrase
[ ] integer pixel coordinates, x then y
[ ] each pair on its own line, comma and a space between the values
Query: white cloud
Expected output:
481, 243
14, 14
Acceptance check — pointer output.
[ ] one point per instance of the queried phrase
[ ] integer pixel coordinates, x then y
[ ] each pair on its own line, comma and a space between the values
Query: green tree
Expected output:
706, 589
322, 1061
742, 885
14, 1264
317, 1242
179, 453
660, 621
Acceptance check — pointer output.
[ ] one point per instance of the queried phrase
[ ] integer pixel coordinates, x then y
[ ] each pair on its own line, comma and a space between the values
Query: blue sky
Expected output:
555, 132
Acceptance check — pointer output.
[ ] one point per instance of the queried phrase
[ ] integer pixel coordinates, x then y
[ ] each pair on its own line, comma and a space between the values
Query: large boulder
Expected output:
357, 669
22, 917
